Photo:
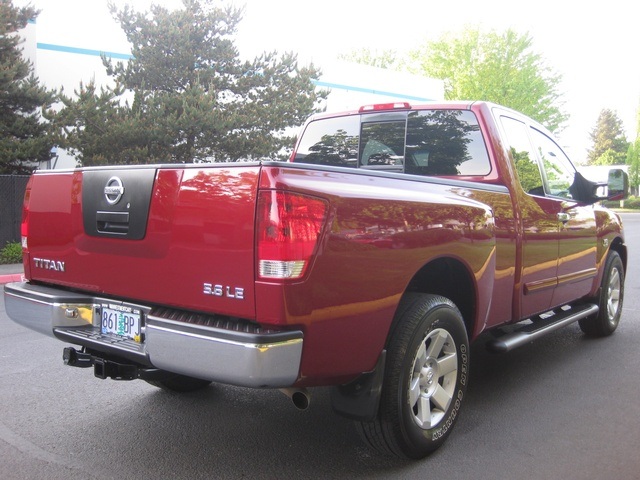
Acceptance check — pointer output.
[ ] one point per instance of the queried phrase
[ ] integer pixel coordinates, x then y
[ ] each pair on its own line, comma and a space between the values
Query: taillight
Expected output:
289, 226
24, 226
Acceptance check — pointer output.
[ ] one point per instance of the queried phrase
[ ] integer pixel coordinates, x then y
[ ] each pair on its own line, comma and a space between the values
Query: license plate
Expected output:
121, 320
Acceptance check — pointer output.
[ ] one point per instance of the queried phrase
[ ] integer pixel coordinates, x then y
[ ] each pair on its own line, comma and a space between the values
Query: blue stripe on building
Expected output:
82, 51
317, 83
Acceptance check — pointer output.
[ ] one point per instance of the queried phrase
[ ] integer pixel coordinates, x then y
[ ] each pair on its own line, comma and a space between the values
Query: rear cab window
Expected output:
330, 141
439, 142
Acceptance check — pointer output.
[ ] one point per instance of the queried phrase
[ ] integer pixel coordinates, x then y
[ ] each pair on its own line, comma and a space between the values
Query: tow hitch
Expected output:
104, 368
74, 358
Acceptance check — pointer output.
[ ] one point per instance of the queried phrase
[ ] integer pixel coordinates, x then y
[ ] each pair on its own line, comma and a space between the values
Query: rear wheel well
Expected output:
451, 279
446, 277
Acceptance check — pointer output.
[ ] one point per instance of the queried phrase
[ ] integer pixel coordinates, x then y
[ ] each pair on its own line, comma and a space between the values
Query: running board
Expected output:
558, 319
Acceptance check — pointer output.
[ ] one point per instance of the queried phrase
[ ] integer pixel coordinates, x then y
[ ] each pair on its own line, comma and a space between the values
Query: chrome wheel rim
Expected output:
613, 295
433, 378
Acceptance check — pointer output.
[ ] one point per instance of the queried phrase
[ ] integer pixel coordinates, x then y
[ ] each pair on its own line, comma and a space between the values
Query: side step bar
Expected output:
540, 327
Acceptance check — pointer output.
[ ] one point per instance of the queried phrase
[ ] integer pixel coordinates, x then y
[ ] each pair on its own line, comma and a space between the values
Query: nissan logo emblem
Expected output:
113, 190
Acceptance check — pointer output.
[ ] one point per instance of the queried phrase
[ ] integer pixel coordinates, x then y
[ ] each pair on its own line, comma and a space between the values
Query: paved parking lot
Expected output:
564, 407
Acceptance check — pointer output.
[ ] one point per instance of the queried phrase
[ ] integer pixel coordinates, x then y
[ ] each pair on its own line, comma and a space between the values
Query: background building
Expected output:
64, 66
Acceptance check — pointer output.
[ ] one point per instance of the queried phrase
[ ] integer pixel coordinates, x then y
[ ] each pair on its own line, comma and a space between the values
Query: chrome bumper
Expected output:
258, 360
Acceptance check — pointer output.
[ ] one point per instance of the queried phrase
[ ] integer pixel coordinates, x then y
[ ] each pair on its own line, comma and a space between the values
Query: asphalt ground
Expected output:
563, 407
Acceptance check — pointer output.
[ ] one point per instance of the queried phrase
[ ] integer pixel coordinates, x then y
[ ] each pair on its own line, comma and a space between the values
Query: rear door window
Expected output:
523, 155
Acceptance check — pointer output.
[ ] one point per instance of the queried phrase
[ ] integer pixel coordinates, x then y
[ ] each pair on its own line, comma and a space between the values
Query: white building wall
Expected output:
64, 65
353, 85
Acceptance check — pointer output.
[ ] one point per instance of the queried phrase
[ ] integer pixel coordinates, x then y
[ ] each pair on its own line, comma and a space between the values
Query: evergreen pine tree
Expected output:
191, 96
609, 142
24, 138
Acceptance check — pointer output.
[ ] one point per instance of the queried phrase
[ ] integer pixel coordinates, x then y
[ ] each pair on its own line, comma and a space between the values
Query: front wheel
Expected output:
425, 378
607, 319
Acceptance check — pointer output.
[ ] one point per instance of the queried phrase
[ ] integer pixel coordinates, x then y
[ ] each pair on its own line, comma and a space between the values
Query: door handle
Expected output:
564, 217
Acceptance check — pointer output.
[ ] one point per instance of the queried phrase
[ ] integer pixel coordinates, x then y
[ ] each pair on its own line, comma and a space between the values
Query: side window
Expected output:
523, 155
557, 168
331, 141
445, 142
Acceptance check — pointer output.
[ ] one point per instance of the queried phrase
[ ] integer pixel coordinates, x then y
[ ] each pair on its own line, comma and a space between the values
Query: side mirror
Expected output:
587, 192
617, 184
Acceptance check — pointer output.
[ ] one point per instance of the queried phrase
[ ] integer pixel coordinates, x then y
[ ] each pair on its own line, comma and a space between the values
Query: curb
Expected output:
15, 277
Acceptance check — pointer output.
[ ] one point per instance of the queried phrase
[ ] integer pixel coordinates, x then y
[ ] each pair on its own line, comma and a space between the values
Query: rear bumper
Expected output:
260, 360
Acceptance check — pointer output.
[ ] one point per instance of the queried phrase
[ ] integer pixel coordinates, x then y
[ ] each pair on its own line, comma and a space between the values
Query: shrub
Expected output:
631, 203
11, 253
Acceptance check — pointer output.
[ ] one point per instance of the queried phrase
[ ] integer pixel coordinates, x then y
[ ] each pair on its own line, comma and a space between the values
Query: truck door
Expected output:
577, 224
557, 252
537, 250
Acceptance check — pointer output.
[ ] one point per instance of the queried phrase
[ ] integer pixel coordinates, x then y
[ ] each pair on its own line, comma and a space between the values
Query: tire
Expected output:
180, 384
606, 321
425, 380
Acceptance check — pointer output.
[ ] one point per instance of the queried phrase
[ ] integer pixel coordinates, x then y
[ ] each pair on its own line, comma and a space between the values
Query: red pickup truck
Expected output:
393, 237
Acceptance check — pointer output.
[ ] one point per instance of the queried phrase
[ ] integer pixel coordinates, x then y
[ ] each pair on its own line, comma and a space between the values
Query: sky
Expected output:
594, 46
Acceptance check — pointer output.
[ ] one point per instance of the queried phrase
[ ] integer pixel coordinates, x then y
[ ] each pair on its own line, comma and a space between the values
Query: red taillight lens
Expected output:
288, 229
24, 226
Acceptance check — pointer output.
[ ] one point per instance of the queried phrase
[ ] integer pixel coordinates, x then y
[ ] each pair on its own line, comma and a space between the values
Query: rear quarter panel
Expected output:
381, 231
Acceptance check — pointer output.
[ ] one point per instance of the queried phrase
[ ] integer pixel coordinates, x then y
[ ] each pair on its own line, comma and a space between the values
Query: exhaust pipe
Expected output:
299, 396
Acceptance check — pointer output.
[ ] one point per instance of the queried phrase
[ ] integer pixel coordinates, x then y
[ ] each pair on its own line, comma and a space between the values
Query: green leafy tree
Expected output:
608, 157
496, 67
633, 158
24, 138
185, 95
609, 142
389, 59
633, 161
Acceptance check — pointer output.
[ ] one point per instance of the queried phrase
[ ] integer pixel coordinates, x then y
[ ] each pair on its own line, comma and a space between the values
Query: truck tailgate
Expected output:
159, 235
